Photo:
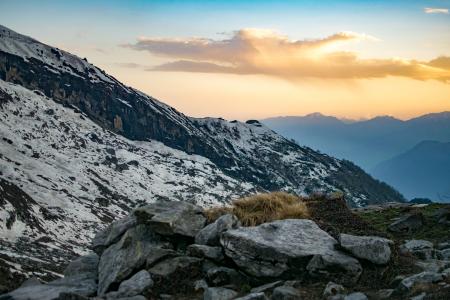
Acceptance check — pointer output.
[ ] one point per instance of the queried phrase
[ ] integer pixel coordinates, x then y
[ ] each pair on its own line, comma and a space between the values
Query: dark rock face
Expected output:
374, 249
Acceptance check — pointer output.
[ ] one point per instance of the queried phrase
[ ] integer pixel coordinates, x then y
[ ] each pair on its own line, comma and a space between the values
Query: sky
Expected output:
257, 59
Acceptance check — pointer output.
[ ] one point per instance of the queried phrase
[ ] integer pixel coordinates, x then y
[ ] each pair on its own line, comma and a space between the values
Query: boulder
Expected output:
422, 278
407, 223
356, 296
433, 265
333, 289
159, 254
253, 296
442, 216
203, 251
103, 239
172, 218
442, 246
420, 248
336, 267
176, 274
220, 276
285, 293
210, 235
77, 285
272, 249
136, 285
218, 293
86, 266
384, 294
445, 254
129, 254
374, 249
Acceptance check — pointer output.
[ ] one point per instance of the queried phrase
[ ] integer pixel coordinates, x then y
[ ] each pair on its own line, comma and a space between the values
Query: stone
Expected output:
285, 293
222, 276
377, 250
210, 235
159, 254
446, 272
384, 294
356, 296
253, 296
421, 296
30, 282
203, 251
121, 259
442, 216
422, 278
270, 249
333, 289
103, 239
336, 266
172, 218
176, 274
78, 285
420, 248
445, 254
200, 285
267, 287
442, 246
218, 293
407, 223
86, 265
433, 265
137, 284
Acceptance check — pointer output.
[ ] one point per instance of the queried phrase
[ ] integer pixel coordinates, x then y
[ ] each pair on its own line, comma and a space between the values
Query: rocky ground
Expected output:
175, 250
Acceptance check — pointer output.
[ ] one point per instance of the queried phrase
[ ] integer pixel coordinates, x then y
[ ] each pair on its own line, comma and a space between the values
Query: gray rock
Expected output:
442, 246
172, 217
445, 254
421, 296
129, 254
103, 239
203, 251
84, 265
78, 285
336, 266
422, 278
356, 296
176, 274
420, 248
267, 287
333, 289
222, 276
269, 249
433, 265
210, 235
200, 285
407, 223
374, 249
384, 294
159, 254
138, 283
218, 293
446, 273
442, 216
285, 293
253, 296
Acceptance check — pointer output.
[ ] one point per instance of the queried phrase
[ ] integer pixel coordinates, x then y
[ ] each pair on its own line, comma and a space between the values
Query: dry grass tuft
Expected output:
262, 208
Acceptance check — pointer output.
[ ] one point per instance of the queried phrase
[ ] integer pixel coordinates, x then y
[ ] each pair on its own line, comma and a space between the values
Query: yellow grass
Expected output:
262, 208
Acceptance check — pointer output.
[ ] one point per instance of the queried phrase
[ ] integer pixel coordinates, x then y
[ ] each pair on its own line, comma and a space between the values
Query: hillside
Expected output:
82, 149
423, 171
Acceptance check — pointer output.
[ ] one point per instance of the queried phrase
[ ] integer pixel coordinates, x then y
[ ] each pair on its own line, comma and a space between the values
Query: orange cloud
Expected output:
256, 51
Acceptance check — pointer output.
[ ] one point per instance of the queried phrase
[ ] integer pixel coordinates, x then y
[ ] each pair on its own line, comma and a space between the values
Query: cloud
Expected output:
256, 51
435, 10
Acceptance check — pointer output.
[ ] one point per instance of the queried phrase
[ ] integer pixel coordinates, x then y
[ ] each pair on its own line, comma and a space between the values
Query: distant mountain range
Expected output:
369, 143
423, 171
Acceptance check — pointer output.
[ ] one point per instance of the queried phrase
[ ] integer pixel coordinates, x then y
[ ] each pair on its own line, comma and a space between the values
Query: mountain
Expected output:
367, 142
79, 149
423, 171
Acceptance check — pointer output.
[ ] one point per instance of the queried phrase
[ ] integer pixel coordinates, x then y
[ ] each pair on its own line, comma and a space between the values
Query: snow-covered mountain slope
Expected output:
82, 149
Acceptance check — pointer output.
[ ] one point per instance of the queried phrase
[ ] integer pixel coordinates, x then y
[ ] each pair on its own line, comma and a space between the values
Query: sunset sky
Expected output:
257, 59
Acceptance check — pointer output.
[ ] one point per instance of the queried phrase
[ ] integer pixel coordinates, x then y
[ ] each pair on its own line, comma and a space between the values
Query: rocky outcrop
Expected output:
151, 254
407, 223
210, 235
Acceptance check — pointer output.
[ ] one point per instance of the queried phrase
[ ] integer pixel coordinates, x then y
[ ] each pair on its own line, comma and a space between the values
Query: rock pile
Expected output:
165, 251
